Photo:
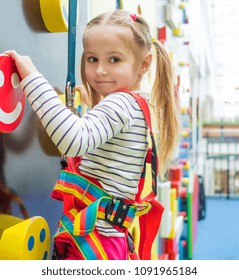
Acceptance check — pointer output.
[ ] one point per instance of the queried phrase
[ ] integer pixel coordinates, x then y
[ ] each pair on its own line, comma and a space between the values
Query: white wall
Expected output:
147, 8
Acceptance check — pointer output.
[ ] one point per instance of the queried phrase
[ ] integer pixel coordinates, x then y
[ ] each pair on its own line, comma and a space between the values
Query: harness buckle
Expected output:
116, 211
142, 208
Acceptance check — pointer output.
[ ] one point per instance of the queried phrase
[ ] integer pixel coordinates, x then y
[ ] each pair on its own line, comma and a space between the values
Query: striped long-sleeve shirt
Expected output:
111, 138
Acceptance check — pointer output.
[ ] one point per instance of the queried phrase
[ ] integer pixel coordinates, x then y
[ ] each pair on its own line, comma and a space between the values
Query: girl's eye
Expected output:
92, 59
114, 59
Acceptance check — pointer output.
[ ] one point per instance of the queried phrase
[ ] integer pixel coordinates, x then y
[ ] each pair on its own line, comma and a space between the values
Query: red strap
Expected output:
73, 163
149, 226
145, 108
134, 256
151, 156
150, 222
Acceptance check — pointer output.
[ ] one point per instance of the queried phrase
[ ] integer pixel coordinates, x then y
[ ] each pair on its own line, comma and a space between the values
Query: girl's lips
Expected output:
11, 117
104, 82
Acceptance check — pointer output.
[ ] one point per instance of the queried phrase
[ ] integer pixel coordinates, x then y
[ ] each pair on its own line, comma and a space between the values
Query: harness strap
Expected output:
150, 222
149, 226
99, 204
151, 156
85, 247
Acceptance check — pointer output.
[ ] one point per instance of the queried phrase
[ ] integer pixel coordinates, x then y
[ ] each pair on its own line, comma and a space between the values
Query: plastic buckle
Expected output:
120, 209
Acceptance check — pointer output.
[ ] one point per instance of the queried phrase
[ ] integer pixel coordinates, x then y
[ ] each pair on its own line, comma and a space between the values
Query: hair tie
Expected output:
153, 40
134, 17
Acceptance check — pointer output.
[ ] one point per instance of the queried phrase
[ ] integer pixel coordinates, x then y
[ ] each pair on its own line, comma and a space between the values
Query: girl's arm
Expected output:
72, 135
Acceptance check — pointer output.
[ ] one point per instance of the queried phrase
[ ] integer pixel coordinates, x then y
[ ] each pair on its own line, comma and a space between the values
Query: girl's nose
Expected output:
100, 70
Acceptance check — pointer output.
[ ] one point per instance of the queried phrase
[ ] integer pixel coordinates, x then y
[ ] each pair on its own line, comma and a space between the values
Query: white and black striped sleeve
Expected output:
73, 135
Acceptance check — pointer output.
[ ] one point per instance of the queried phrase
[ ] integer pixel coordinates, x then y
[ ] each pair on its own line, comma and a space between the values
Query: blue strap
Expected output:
119, 5
71, 42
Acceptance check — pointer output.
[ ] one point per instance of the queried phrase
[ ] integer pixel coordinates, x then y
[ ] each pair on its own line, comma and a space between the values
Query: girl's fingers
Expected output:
24, 64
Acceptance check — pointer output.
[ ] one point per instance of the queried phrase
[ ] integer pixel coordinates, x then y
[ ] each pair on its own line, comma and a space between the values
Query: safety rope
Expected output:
70, 80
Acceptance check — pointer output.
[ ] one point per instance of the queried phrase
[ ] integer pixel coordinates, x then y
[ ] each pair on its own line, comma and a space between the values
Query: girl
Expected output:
111, 139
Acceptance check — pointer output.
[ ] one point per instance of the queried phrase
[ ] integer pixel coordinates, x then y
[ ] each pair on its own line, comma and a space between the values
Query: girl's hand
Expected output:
83, 95
24, 64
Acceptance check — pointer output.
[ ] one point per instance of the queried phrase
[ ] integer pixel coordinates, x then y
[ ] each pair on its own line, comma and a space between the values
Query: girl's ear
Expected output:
146, 63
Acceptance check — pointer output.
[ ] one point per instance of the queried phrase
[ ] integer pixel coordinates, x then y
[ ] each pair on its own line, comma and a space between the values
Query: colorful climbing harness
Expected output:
85, 201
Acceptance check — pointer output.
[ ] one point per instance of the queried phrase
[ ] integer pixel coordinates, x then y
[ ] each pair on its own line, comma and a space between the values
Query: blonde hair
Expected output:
162, 96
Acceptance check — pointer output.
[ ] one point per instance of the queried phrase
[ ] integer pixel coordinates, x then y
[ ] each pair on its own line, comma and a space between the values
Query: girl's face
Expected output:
110, 64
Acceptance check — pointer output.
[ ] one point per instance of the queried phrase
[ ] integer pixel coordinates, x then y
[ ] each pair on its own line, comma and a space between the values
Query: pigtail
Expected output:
92, 94
165, 108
